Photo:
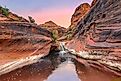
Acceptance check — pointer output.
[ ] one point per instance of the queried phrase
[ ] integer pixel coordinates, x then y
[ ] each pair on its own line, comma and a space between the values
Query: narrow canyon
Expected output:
88, 50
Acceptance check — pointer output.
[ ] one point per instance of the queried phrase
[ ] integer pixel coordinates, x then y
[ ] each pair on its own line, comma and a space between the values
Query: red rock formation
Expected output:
51, 26
100, 32
18, 40
79, 13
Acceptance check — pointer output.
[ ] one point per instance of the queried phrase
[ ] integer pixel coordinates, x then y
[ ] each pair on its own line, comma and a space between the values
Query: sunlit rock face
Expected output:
51, 26
79, 13
21, 39
100, 32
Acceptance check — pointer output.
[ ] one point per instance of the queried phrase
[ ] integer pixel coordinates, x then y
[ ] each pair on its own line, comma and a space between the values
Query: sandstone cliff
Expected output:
79, 13
21, 39
99, 33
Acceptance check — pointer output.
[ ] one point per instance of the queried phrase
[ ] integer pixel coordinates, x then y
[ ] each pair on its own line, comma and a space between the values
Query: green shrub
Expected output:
54, 35
4, 11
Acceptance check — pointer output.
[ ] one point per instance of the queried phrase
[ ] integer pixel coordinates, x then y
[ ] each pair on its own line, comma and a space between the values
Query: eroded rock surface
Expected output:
19, 39
79, 13
99, 34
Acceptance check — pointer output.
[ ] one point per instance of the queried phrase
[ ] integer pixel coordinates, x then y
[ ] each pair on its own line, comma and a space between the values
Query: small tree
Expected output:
5, 11
31, 19
54, 35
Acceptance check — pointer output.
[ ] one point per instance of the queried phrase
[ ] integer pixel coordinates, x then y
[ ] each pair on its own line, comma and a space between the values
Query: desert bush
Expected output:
4, 11
54, 35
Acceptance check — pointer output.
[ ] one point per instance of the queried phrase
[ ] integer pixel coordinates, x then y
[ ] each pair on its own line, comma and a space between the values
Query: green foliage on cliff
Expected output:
4, 11
54, 35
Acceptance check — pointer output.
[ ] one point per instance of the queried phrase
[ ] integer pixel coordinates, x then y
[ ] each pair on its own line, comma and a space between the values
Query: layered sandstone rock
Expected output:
99, 33
51, 26
19, 40
79, 13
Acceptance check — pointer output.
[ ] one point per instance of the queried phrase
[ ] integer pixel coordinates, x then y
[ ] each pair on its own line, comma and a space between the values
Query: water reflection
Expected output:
93, 74
65, 71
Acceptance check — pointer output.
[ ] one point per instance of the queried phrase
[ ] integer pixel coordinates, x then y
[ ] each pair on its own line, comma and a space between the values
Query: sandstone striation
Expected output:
21, 39
99, 33
18, 40
79, 13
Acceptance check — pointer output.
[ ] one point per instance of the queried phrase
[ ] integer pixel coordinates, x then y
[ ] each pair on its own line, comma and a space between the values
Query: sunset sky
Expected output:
59, 11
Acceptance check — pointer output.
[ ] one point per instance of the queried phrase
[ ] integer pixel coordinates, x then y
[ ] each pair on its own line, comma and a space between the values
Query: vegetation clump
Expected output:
54, 35
4, 11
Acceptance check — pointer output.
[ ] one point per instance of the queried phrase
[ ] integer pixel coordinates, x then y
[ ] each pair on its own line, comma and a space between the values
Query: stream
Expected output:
57, 66
66, 70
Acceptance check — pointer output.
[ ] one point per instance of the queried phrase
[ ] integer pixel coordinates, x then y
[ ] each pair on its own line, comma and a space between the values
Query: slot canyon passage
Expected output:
88, 50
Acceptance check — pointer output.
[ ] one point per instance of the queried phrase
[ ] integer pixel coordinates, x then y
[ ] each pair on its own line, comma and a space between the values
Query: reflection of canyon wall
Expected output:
100, 31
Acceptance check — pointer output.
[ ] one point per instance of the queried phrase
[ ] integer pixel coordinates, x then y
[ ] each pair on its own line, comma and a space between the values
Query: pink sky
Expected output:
60, 16
59, 11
